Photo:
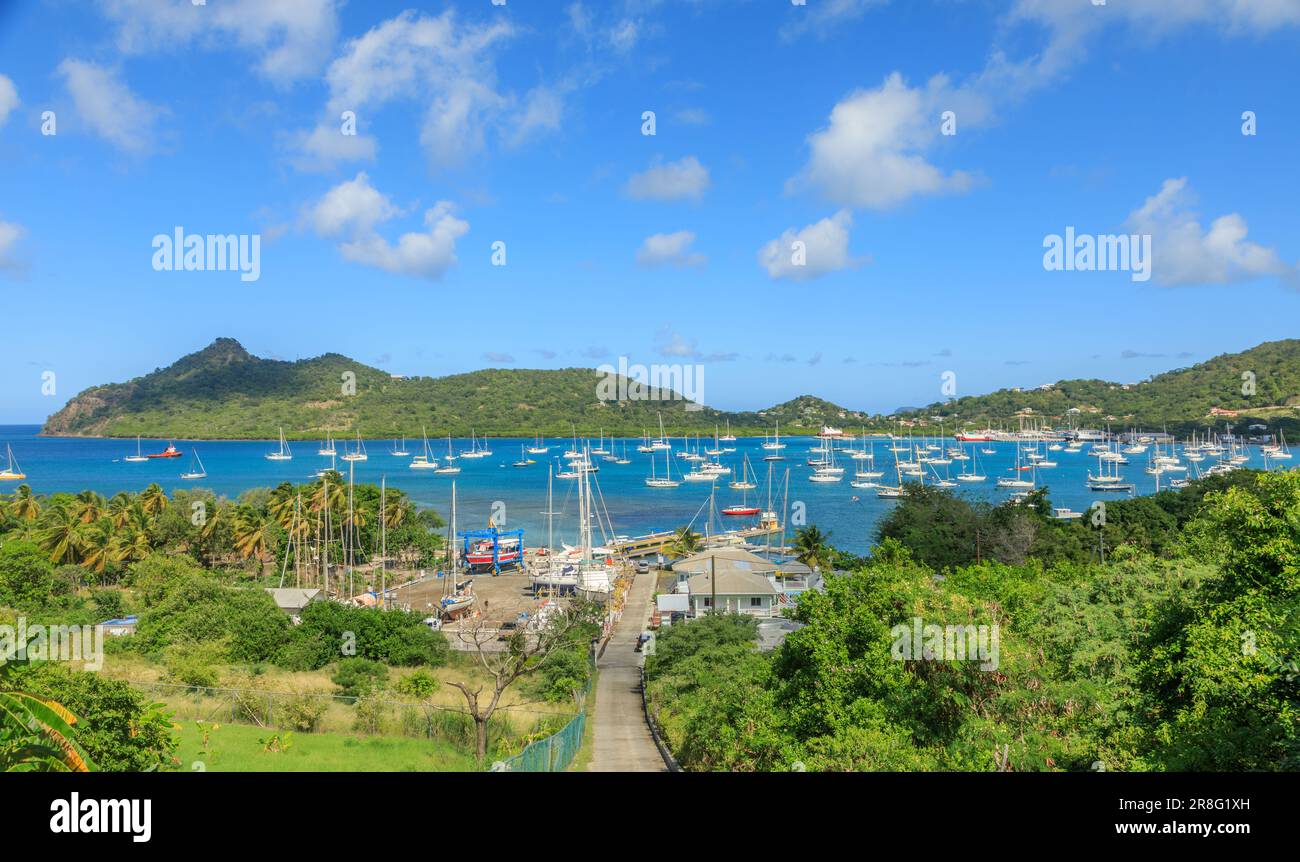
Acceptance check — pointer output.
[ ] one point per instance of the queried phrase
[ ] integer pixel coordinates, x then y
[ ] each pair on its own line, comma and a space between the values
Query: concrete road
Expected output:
621, 739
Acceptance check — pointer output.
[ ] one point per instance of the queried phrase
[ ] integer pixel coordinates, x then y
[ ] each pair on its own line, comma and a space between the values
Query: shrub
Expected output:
303, 711
357, 677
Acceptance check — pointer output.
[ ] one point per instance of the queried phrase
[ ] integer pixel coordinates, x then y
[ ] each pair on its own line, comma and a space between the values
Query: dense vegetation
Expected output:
1177, 653
223, 391
193, 569
1180, 399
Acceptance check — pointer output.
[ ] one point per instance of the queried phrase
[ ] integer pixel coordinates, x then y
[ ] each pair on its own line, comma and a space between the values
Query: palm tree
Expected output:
24, 505
60, 533
252, 534
153, 499
282, 503
396, 510
100, 545
684, 543
812, 546
119, 507
89, 507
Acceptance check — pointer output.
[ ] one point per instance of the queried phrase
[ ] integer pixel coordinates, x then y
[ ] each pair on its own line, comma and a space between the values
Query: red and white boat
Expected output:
508, 551
975, 437
739, 510
170, 452
828, 431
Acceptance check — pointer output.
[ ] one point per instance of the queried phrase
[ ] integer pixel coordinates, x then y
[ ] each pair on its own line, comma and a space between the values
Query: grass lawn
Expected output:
235, 748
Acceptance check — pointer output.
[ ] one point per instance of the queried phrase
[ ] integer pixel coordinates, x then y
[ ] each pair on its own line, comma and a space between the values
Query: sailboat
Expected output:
138, 457
665, 481
973, 473
357, 454
623, 459
728, 437
327, 448
775, 444
399, 450
524, 460
537, 448
425, 461
746, 481
456, 596
284, 454
12, 472
197, 470
1015, 481
325, 471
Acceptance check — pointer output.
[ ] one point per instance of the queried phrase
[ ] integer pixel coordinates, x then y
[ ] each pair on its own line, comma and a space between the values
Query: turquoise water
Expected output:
491, 484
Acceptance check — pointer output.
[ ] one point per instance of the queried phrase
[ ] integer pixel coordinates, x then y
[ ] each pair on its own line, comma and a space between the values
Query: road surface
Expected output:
621, 738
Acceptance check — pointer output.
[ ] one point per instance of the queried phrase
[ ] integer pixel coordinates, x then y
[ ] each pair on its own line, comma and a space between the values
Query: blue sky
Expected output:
523, 124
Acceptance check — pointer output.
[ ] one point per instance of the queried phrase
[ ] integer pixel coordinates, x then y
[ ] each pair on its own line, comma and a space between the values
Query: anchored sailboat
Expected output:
197, 470
138, 457
283, 454
12, 472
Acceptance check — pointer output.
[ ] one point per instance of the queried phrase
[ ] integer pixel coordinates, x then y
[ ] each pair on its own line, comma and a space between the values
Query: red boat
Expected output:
170, 452
739, 510
974, 437
481, 554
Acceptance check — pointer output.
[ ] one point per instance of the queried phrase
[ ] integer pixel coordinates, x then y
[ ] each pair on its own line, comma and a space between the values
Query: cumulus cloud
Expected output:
670, 249
448, 69
8, 98
872, 152
351, 212
108, 107
819, 248
1183, 253
292, 38
684, 179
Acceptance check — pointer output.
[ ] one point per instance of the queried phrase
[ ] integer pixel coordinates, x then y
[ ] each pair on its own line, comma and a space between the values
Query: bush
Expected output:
357, 677
371, 715
396, 638
197, 609
26, 576
303, 711
109, 604
117, 727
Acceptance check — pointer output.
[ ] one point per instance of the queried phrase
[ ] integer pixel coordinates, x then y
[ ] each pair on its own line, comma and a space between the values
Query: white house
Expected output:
737, 592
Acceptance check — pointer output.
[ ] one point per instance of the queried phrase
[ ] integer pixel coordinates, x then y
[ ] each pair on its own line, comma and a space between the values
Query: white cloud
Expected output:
871, 153
1183, 254
684, 179
10, 234
351, 213
669, 249
623, 36
823, 17
448, 69
108, 107
293, 38
8, 98
824, 249
326, 146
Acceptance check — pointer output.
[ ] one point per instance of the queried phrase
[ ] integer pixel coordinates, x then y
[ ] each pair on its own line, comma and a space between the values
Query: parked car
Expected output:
642, 567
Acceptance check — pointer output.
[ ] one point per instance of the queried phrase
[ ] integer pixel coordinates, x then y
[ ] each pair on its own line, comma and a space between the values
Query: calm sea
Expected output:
491, 485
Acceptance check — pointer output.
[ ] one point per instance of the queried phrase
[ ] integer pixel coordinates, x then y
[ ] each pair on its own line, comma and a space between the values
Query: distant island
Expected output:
224, 392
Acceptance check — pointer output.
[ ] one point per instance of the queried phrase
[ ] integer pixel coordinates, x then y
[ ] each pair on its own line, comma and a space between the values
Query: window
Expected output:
755, 601
708, 602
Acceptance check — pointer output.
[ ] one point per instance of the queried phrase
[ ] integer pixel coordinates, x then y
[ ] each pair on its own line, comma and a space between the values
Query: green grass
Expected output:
236, 748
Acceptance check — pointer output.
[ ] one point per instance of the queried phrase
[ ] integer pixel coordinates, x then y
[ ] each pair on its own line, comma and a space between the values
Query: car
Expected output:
642, 567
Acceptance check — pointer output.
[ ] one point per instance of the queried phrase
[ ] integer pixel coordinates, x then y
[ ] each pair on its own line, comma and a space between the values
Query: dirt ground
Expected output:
500, 598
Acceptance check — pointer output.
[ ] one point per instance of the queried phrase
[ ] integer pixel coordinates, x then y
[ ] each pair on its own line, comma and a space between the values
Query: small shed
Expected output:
292, 600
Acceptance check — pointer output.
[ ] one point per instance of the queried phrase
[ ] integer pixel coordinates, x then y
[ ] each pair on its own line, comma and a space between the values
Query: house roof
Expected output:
731, 583
292, 597
735, 559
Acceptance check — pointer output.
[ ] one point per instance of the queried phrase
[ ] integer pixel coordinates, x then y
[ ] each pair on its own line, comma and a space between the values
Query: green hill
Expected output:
224, 392
1181, 398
